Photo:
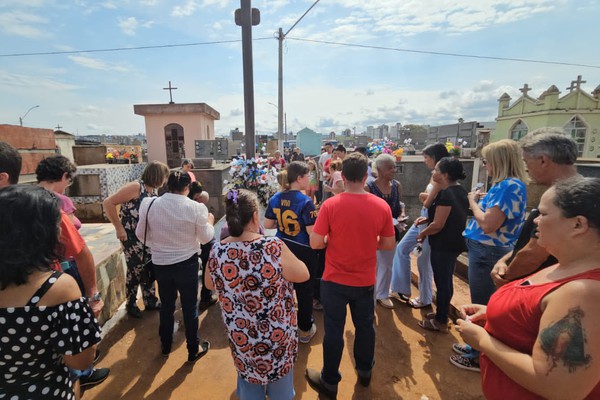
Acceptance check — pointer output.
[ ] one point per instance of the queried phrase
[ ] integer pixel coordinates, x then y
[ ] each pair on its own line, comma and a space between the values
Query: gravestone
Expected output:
216, 149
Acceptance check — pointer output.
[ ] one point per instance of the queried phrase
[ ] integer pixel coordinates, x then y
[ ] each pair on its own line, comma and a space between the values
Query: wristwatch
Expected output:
96, 297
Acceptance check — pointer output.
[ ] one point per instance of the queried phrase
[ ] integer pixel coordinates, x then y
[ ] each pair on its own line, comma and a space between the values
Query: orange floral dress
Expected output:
257, 306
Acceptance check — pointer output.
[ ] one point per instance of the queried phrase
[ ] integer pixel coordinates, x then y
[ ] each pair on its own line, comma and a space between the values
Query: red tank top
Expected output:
513, 317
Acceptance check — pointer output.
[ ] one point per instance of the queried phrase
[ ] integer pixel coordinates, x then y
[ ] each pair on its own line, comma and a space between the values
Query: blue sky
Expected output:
326, 87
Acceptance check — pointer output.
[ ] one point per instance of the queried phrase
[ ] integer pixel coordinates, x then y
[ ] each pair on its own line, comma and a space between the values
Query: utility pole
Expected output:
280, 37
246, 17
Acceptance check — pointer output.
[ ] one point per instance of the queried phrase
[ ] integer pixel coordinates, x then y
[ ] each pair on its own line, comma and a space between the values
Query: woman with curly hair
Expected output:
253, 276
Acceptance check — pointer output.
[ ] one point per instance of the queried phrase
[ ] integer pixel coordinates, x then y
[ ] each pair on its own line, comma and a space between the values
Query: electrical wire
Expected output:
162, 46
438, 53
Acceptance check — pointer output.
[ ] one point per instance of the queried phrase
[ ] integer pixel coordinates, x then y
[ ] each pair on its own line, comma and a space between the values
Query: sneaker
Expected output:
204, 305
313, 377
461, 349
202, 350
386, 303
317, 305
97, 376
134, 311
305, 336
468, 363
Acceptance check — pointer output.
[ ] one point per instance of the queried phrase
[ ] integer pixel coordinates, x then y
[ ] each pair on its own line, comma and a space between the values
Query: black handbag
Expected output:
147, 274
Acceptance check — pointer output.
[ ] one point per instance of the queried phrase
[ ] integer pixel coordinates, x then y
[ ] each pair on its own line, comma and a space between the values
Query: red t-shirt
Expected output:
353, 223
70, 239
513, 317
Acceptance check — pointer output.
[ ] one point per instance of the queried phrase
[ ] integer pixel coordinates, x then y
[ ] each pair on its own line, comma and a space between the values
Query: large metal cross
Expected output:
525, 89
576, 84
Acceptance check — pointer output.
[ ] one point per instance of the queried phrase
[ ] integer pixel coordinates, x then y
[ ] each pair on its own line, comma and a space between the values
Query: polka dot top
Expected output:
34, 338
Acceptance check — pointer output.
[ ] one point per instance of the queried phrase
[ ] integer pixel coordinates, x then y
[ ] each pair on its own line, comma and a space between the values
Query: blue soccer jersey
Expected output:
293, 212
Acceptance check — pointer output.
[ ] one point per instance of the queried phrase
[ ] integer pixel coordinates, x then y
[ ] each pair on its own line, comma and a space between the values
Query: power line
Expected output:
300, 19
437, 53
162, 46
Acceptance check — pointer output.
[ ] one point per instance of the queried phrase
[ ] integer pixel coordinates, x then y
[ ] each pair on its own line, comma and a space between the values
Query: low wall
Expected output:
110, 266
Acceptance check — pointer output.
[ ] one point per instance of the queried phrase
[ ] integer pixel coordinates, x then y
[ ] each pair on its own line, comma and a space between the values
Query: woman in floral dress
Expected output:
253, 276
129, 197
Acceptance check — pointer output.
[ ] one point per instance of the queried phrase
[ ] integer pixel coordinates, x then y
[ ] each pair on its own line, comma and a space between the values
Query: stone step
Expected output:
461, 295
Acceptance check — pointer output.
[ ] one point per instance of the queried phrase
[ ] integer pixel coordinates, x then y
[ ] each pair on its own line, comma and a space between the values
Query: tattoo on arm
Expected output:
565, 341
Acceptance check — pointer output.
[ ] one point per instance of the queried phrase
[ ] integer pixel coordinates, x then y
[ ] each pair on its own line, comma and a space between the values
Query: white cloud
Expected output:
185, 10
20, 23
148, 2
109, 5
82, 111
131, 24
94, 63
9, 79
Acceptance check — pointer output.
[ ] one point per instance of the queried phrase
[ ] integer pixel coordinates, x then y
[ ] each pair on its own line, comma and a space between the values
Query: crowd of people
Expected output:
341, 241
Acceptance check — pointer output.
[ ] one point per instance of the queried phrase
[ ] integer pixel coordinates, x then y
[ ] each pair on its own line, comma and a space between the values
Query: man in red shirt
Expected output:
352, 226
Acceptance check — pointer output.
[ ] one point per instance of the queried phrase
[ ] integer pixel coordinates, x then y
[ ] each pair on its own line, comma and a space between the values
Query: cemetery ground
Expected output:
410, 363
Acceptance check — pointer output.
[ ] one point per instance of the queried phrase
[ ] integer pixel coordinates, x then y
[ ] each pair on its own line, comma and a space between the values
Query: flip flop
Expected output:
432, 325
415, 302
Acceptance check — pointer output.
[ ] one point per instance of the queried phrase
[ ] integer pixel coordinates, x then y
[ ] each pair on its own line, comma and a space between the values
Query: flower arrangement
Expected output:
254, 174
398, 153
455, 149
381, 146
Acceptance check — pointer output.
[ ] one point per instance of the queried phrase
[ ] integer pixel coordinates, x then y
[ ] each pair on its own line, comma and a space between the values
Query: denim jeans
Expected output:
482, 259
282, 389
401, 265
335, 298
181, 277
384, 273
443, 264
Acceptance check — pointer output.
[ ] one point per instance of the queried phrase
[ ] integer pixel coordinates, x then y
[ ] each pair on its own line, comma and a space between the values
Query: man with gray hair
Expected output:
550, 156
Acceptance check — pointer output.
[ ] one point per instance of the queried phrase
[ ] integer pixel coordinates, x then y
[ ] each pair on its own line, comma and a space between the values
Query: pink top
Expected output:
66, 204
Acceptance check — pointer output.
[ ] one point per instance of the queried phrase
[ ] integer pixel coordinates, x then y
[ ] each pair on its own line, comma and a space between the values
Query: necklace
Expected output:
251, 231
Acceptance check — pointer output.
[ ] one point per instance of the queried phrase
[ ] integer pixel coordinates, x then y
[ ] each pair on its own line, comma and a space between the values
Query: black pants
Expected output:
304, 290
319, 269
205, 294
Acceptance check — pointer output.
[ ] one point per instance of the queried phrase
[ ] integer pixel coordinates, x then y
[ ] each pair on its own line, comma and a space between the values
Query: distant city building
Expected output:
577, 112
370, 130
465, 131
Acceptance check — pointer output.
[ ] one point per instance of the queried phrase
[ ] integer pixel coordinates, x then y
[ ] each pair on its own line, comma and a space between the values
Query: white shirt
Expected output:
175, 226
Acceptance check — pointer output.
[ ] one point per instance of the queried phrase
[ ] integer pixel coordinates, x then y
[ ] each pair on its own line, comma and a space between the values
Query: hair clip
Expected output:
233, 196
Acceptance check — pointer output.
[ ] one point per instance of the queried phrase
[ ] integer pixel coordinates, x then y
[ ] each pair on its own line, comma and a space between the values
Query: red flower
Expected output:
269, 292
219, 284
273, 248
252, 304
227, 305
264, 326
279, 352
251, 283
263, 367
267, 270
239, 338
252, 333
261, 349
229, 271
277, 335
240, 323
244, 264
277, 314
255, 257
213, 264
233, 254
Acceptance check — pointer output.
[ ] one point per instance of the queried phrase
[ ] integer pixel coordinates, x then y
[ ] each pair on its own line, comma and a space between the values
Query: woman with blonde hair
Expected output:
494, 229
335, 185
129, 197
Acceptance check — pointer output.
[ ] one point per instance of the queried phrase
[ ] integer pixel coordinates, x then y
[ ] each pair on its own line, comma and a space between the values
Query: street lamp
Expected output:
23, 117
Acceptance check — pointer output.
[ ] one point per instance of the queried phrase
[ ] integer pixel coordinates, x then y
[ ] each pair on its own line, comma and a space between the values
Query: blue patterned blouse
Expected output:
510, 195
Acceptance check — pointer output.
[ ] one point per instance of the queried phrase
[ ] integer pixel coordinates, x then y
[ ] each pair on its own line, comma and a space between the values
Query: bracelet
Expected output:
96, 297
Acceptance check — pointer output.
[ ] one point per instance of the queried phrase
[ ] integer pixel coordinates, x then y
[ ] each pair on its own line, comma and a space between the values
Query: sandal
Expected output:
415, 302
432, 325
430, 315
